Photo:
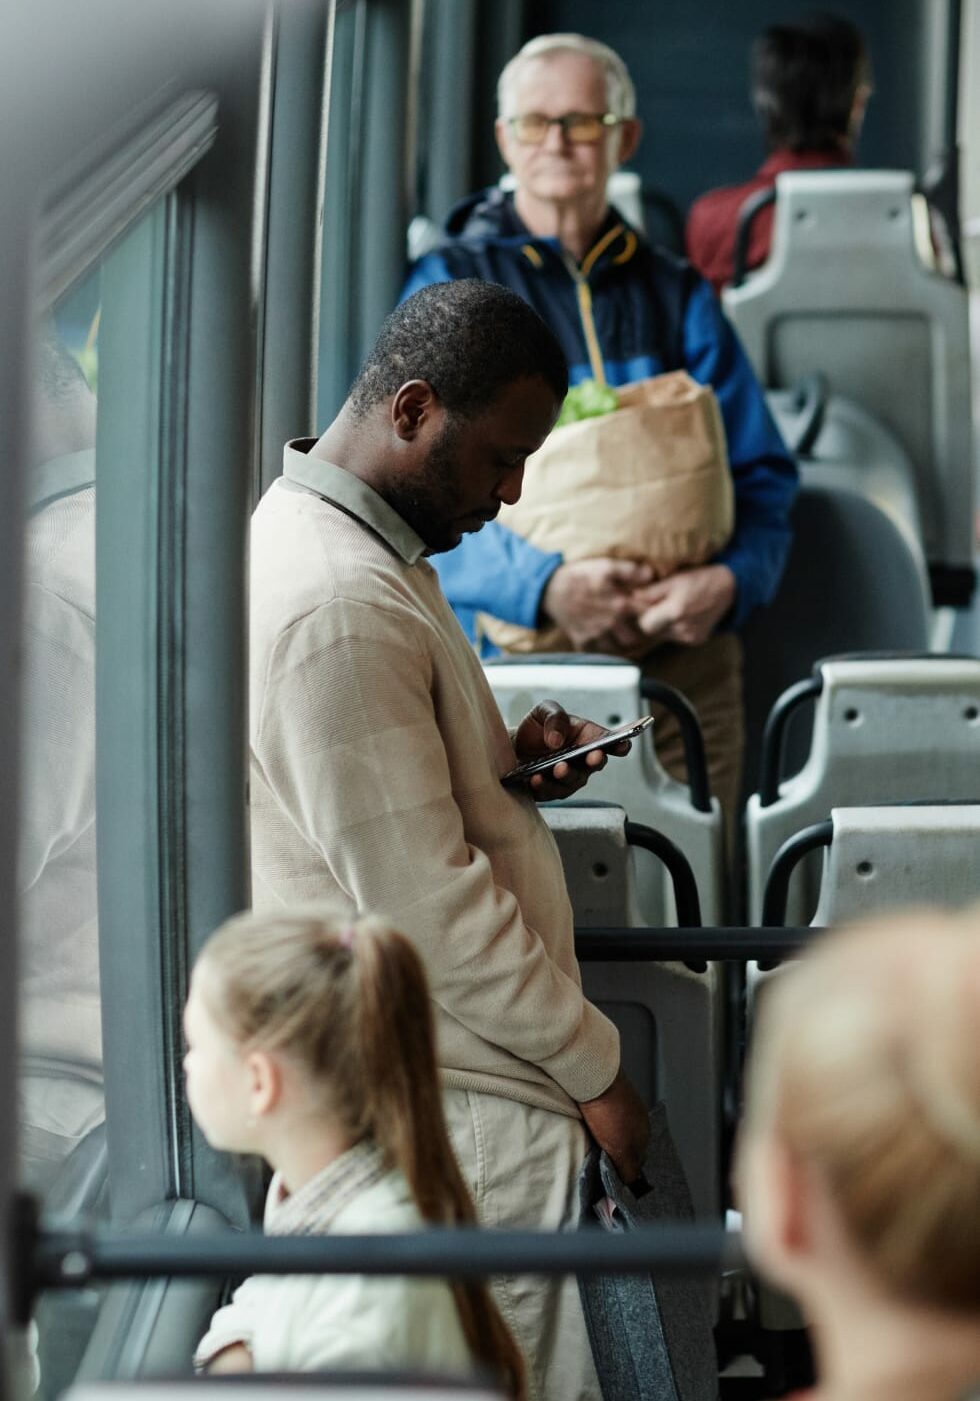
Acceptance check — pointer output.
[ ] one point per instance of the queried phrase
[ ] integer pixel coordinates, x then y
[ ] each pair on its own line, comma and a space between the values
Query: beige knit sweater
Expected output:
377, 751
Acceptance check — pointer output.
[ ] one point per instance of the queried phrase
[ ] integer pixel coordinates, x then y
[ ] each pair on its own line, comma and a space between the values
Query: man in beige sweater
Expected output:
377, 754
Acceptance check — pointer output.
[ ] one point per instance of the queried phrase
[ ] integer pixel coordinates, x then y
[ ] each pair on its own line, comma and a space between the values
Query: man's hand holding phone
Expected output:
559, 751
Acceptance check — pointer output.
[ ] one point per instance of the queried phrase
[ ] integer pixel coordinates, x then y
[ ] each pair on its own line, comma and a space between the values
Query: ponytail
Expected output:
405, 1110
342, 992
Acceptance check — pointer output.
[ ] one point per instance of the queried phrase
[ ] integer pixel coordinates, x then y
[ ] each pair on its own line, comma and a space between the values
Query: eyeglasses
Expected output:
585, 127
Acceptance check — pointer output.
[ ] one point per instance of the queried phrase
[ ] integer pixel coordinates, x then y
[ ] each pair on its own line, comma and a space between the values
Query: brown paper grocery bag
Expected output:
648, 482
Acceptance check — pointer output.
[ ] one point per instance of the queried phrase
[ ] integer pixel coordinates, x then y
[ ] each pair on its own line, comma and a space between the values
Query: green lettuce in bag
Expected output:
590, 399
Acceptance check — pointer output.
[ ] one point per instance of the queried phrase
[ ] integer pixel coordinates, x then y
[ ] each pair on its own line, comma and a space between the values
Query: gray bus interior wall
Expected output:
691, 70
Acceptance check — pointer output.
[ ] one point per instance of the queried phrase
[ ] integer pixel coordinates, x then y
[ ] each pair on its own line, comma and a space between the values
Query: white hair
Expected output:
620, 93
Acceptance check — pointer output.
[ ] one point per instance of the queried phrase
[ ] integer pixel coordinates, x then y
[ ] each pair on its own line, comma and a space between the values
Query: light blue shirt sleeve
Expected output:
495, 571
764, 471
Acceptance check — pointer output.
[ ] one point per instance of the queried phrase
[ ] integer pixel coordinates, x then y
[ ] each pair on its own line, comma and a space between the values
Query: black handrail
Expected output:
784, 863
746, 217
940, 187
952, 585
682, 877
626, 945
69, 1259
809, 403
685, 714
44, 1256
774, 735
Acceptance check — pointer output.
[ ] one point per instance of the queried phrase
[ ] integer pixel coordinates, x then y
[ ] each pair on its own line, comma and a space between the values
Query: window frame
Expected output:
301, 55
366, 196
171, 675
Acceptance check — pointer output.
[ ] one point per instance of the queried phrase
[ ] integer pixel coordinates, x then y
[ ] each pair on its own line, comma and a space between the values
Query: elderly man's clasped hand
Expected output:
615, 606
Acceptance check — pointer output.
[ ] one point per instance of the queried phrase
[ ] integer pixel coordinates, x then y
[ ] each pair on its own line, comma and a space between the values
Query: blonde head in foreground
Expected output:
859, 1161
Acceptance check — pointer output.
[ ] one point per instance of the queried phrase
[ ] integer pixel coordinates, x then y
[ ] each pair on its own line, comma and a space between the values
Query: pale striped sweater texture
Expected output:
376, 755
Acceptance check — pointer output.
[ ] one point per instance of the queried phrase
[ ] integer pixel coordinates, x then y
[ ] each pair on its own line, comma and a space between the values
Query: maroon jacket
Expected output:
713, 219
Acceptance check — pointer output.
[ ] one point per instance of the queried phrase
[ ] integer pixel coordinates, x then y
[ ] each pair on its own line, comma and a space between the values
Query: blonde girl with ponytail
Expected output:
859, 1162
310, 1041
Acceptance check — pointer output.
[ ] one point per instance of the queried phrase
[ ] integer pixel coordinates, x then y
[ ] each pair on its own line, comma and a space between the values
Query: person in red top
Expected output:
811, 80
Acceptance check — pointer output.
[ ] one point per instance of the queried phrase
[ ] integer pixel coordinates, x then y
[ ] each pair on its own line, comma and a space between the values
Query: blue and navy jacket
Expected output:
627, 312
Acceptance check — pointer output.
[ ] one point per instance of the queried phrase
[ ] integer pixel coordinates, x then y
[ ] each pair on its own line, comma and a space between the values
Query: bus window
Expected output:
64, 1157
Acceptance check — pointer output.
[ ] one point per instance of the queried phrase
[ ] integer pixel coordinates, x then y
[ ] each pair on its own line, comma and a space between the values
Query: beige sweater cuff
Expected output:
587, 1066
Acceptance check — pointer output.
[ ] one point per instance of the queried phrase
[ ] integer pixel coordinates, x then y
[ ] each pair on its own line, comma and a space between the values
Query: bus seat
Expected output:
852, 584
885, 858
670, 1016
878, 858
422, 236
875, 859
849, 448
845, 293
885, 729
625, 191
609, 690
888, 857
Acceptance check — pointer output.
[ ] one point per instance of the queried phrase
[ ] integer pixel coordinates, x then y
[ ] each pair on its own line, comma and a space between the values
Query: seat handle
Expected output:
774, 735
685, 714
685, 885
810, 396
785, 862
746, 217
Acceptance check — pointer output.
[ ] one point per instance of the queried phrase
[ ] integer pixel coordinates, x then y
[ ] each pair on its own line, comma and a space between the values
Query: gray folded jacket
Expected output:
651, 1337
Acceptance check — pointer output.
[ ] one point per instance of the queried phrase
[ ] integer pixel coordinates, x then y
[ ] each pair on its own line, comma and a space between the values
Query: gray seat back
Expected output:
854, 450
884, 730
608, 691
852, 584
670, 1018
845, 292
888, 857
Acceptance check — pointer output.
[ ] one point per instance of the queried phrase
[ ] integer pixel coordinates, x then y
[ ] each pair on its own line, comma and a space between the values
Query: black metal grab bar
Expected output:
627, 945
65, 1260
686, 897
747, 214
810, 395
691, 737
785, 862
774, 734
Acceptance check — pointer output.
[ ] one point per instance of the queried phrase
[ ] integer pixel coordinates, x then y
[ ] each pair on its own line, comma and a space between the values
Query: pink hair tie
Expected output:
347, 936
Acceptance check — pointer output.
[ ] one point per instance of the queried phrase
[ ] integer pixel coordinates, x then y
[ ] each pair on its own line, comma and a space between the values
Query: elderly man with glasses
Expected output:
622, 311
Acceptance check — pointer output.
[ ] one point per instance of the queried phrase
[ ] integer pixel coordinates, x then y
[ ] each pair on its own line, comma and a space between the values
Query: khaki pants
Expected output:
522, 1165
710, 676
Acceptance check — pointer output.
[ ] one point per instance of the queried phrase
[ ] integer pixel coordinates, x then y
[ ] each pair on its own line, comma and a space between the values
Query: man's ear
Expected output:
630, 132
264, 1083
414, 406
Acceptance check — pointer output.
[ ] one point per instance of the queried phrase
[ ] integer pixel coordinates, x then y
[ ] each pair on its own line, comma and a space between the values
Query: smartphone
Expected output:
575, 751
